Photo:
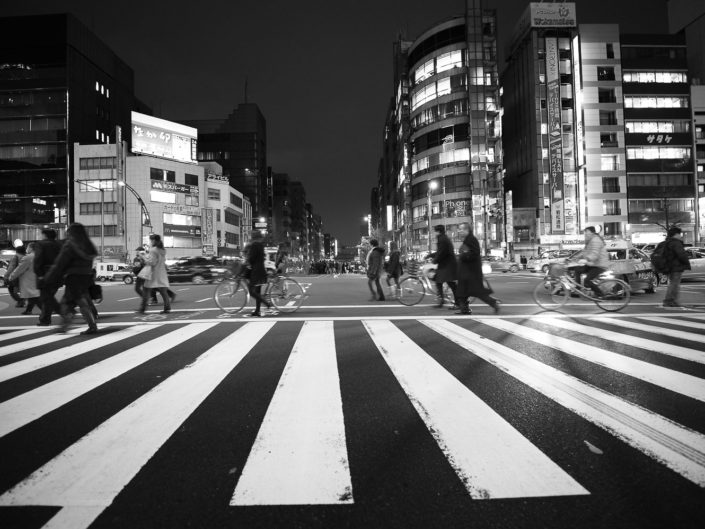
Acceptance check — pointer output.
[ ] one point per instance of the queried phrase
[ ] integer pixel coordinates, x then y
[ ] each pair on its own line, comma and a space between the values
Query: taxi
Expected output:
631, 265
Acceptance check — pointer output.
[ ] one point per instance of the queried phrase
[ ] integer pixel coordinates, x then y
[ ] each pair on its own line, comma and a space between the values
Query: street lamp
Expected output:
102, 214
146, 220
368, 218
432, 184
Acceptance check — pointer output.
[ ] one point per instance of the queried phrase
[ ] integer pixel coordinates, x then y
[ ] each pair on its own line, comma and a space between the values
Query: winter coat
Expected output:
595, 252
13, 264
255, 262
445, 258
471, 282
71, 260
375, 262
45, 254
394, 266
156, 258
28, 279
676, 256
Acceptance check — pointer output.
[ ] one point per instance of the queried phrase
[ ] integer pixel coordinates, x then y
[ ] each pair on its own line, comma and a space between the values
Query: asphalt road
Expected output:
350, 413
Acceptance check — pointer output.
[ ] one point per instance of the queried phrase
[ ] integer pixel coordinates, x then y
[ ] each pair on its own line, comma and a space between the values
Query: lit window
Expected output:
161, 196
107, 93
97, 134
97, 86
102, 89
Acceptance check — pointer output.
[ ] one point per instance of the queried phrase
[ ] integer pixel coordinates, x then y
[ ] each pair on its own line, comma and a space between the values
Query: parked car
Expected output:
632, 265
197, 270
697, 264
499, 264
113, 272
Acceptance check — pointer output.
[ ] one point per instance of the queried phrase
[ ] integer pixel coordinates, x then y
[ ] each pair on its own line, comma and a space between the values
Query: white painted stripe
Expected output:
36, 342
679, 448
93, 471
625, 339
37, 362
682, 383
673, 333
25, 408
682, 323
204, 299
300, 454
22, 333
129, 299
491, 458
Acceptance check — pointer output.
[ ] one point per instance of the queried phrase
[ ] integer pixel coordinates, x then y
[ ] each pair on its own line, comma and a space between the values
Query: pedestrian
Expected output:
523, 261
27, 280
595, 258
45, 253
444, 257
256, 274
676, 262
74, 266
281, 260
137, 265
13, 287
375, 261
155, 276
394, 269
471, 281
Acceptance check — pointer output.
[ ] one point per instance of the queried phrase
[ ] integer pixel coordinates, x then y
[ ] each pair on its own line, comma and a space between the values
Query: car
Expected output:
197, 270
632, 265
543, 262
500, 264
696, 256
113, 272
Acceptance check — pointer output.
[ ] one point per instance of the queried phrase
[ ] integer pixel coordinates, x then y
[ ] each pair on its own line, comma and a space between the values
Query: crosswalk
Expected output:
290, 395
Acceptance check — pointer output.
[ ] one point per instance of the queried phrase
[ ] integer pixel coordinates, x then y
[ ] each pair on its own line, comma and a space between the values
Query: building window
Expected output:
191, 200
656, 102
610, 184
606, 95
235, 200
213, 194
655, 77
94, 185
611, 207
161, 196
610, 50
608, 139
191, 179
658, 153
609, 162
613, 228
162, 174
608, 117
107, 231
93, 208
660, 180
217, 216
605, 73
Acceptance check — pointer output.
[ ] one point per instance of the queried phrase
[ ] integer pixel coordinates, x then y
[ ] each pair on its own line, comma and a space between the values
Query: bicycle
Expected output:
415, 286
284, 293
557, 286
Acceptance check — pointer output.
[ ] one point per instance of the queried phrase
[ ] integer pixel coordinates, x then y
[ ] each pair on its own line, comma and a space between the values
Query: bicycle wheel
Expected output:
615, 295
550, 294
286, 294
411, 291
231, 296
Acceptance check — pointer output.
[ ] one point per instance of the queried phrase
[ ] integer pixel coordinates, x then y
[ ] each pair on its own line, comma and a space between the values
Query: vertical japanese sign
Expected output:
120, 177
555, 135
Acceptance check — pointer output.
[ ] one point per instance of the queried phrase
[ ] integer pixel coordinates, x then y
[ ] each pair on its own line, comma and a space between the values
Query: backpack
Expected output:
659, 261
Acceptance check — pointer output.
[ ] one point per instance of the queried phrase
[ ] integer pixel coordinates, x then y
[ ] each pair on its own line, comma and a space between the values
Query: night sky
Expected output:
320, 71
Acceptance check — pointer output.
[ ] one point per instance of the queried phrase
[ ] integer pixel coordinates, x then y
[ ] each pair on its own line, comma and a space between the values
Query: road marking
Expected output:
677, 447
27, 407
625, 339
75, 349
36, 342
492, 459
673, 333
204, 299
681, 323
129, 299
300, 454
87, 476
21, 334
676, 381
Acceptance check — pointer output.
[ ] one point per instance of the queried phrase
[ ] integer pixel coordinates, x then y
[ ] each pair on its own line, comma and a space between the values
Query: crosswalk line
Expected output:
673, 333
20, 334
300, 455
36, 342
676, 381
491, 458
675, 351
33, 363
27, 407
680, 322
87, 476
679, 448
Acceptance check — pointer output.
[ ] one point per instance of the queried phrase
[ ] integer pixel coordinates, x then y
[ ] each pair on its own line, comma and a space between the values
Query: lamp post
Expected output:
147, 220
102, 214
431, 185
368, 218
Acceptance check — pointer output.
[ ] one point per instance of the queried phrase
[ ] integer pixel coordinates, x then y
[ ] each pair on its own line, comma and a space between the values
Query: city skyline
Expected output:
320, 72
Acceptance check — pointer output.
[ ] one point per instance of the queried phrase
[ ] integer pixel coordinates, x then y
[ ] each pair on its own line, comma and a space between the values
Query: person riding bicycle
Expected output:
594, 257
281, 260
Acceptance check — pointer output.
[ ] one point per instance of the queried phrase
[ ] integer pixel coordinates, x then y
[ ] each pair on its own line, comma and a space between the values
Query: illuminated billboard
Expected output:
164, 139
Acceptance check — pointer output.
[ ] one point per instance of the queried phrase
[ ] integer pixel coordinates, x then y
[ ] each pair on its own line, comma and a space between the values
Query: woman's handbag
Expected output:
96, 292
145, 273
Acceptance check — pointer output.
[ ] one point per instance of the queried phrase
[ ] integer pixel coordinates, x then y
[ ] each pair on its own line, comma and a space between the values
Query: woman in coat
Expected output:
156, 260
447, 267
471, 281
74, 266
27, 279
394, 269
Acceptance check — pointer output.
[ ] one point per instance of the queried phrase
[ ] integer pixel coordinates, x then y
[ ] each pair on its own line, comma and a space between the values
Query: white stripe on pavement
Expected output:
679, 448
626, 339
676, 381
491, 458
25, 408
93, 471
673, 333
36, 342
300, 454
680, 322
37, 362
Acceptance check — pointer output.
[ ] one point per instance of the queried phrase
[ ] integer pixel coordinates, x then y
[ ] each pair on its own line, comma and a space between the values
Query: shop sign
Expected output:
182, 231
173, 187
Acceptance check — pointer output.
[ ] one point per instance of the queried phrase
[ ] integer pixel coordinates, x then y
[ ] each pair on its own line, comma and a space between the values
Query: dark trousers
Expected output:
591, 272
14, 290
380, 292
256, 293
48, 304
439, 290
147, 293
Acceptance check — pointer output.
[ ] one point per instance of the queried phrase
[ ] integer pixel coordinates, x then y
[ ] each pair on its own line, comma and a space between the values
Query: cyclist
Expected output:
257, 275
594, 257
447, 269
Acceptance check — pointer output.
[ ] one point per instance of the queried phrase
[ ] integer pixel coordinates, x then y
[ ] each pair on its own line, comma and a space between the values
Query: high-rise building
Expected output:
61, 88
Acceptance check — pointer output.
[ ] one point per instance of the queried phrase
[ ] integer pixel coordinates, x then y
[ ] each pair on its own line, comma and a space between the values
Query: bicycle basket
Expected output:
412, 268
556, 270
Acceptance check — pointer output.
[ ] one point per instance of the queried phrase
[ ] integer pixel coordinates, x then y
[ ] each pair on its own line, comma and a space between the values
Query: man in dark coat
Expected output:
676, 262
45, 253
471, 282
445, 259
257, 274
